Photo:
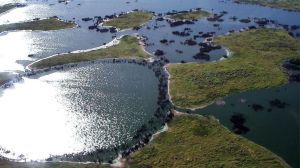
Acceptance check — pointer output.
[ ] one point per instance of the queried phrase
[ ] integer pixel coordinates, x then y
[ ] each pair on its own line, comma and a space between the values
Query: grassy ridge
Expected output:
255, 64
190, 15
194, 141
45, 25
7, 7
130, 20
127, 48
284, 4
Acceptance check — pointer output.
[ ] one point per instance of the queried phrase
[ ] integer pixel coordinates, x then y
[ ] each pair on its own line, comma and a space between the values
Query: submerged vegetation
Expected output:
191, 15
129, 20
128, 47
45, 25
255, 64
284, 4
195, 141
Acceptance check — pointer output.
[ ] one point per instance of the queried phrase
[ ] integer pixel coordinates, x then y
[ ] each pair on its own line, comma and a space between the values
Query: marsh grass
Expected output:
255, 64
127, 48
45, 25
196, 142
191, 15
129, 20
293, 5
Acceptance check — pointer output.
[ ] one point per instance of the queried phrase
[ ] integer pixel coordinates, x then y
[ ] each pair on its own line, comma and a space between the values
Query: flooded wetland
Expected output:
93, 81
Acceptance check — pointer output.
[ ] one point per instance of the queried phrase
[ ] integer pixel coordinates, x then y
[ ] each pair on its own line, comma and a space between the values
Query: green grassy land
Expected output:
7, 164
284, 4
196, 142
127, 48
130, 20
45, 25
190, 15
255, 64
7, 7
191, 141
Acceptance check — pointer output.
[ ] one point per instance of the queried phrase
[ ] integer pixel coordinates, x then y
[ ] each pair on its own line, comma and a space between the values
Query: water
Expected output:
79, 110
43, 44
276, 129
103, 105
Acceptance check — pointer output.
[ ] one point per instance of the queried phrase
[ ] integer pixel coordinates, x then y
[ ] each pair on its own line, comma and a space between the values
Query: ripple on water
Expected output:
82, 109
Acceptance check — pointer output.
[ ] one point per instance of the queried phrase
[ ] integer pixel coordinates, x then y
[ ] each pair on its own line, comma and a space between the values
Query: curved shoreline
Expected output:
114, 42
151, 154
15, 5
126, 13
151, 63
107, 60
32, 71
111, 60
229, 53
40, 19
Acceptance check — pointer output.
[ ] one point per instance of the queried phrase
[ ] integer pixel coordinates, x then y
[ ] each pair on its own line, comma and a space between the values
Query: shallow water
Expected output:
43, 44
82, 109
103, 105
276, 129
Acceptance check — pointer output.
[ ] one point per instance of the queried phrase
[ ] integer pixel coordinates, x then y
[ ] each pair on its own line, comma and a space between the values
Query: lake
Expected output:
82, 109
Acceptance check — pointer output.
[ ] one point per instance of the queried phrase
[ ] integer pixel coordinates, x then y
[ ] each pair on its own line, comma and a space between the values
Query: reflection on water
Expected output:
3, 2
22, 46
103, 105
31, 116
78, 110
22, 14
49, 43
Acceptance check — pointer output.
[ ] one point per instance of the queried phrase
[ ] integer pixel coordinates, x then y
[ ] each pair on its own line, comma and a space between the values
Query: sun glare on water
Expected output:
34, 122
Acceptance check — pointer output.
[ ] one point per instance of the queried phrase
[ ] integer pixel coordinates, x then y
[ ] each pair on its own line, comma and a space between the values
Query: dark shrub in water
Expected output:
277, 103
238, 121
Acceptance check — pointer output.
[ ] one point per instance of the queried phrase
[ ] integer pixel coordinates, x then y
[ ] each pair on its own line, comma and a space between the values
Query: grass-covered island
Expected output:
128, 47
293, 5
196, 142
255, 64
45, 25
190, 15
7, 7
129, 20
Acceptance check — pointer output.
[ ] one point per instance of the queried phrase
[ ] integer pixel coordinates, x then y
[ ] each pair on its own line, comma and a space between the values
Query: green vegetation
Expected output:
8, 164
45, 25
191, 141
195, 141
127, 48
190, 15
7, 7
255, 64
130, 20
293, 5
